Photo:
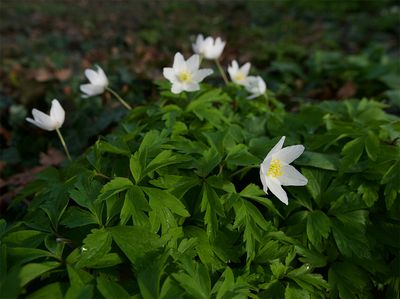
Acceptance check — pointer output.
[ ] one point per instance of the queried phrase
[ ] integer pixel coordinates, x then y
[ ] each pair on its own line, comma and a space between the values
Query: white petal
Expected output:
169, 74
42, 118
57, 113
262, 87
289, 154
276, 188
179, 62
263, 177
102, 77
176, 87
292, 177
91, 90
191, 86
245, 69
276, 148
201, 74
92, 76
40, 125
193, 63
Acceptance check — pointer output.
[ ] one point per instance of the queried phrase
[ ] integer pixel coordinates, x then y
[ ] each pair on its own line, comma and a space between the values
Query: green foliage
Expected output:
174, 208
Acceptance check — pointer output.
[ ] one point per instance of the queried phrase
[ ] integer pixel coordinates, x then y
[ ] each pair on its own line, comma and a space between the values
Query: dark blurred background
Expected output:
306, 50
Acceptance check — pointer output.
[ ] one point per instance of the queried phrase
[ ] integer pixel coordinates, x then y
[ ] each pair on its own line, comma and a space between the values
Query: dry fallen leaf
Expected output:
53, 157
348, 90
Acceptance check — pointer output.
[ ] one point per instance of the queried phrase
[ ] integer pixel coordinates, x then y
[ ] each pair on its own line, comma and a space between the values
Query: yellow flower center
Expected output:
185, 76
275, 169
239, 76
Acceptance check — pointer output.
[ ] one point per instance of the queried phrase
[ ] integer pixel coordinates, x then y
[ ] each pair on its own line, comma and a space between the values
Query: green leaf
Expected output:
136, 242
136, 167
135, 206
352, 152
76, 217
120, 149
113, 187
194, 279
308, 281
239, 156
312, 257
149, 276
348, 281
33, 270
212, 206
163, 159
24, 238
318, 227
110, 289
162, 198
95, 246
54, 291
175, 184
210, 159
372, 146
296, 293
319, 160
230, 288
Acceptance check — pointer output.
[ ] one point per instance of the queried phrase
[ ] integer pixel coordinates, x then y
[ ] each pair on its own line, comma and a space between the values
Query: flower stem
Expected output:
271, 100
126, 105
221, 71
63, 144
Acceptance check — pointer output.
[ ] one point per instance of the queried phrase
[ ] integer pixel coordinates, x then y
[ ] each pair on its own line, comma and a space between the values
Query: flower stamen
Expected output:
185, 76
275, 169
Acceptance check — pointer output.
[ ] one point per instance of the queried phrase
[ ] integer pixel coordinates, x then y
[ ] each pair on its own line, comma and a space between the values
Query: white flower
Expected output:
208, 47
48, 122
255, 85
275, 170
98, 82
185, 75
239, 75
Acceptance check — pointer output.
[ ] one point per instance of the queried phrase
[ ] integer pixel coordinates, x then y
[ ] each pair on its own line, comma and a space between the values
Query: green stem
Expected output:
63, 144
126, 105
221, 71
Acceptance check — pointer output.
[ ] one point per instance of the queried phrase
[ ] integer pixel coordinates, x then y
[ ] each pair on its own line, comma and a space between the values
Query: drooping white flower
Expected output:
98, 82
255, 85
185, 75
239, 75
276, 172
208, 47
50, 122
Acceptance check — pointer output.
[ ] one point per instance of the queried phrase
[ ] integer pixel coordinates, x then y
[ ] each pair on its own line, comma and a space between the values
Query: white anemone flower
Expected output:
276, 172
256, 86
185, 75
239, 74
208, 47
98, 82
50, 122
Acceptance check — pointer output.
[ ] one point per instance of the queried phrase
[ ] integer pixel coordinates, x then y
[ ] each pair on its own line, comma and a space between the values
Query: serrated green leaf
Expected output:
318, 227
136, 167
296, 293
194, 279
352, 152
162, 198
136, 242
110, 289
94, 247
372, 146
76, 217
113, 187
